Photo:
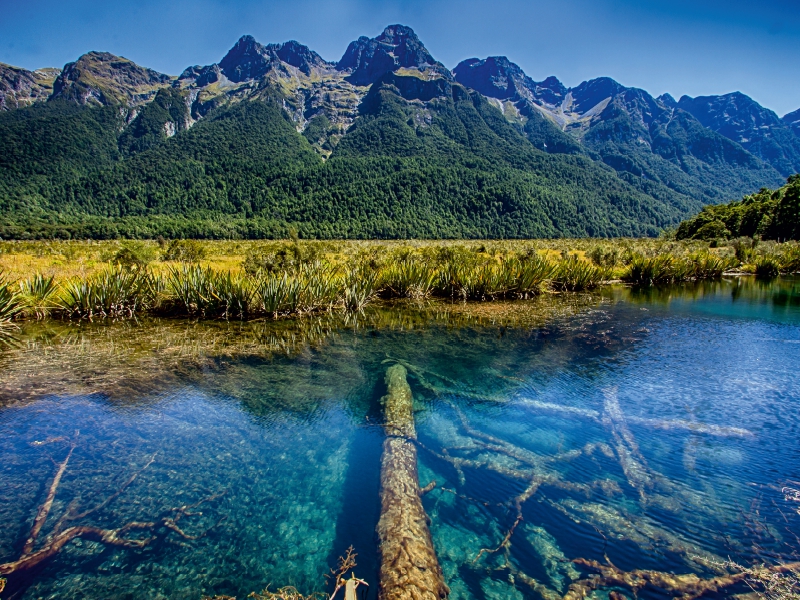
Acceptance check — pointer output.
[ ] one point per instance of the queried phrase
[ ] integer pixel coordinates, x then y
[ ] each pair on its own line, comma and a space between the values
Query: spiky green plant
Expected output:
233, 293
574, 275
323, 286
279, 294
11, 303
790, 260
709, 266
111, 293
529, 274
767, 266
360, 286
38, 294
191, 290
409, 278
659, 269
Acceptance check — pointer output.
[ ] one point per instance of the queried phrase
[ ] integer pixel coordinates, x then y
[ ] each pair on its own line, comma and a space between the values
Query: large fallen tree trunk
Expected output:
409, 567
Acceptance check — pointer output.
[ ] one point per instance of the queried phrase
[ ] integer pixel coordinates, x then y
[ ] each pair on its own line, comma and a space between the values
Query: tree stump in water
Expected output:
409, 567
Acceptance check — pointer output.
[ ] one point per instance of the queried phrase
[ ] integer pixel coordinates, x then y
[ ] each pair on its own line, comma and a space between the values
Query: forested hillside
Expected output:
767, 214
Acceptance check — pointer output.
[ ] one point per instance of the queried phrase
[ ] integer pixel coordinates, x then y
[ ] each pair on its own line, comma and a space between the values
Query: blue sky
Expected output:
697, 47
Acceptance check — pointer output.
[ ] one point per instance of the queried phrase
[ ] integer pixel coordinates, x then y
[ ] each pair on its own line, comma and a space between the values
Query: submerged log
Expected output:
409, 567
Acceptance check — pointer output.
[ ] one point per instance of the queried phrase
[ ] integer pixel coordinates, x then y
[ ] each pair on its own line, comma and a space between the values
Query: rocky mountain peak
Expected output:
668, 101
104, 78
498, 77
741, 119
300, 56
246, 60
593, 92
494, 76
249, 60
368, 59
735, 115
20, 87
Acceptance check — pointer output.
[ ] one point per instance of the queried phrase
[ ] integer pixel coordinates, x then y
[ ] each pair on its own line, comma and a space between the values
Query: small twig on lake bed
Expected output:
506, 541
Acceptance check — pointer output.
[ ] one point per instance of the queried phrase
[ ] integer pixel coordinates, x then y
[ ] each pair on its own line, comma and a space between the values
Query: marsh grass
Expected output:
242, 280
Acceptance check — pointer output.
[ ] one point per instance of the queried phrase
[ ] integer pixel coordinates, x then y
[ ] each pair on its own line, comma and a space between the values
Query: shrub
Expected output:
603, 256
359, 287
649, 271
708, 266
409, 278
112, 293
134, 256
187, 251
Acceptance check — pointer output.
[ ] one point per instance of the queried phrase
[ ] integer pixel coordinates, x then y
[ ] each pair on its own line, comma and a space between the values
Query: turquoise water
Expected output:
662, 425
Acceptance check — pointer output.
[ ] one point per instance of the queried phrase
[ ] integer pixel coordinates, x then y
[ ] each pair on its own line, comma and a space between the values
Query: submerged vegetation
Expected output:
239, 280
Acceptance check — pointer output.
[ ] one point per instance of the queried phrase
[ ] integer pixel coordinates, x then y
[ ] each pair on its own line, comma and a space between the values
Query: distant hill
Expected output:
386, 142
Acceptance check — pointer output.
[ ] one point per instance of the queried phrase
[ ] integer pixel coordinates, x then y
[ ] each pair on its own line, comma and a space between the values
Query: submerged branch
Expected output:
119, 537
687, 586
44, 509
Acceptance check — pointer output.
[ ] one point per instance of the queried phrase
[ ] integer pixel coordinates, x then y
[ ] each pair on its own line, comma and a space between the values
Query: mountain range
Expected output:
386, 142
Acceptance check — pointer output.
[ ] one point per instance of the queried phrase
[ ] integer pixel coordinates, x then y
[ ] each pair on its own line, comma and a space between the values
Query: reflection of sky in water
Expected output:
294, 443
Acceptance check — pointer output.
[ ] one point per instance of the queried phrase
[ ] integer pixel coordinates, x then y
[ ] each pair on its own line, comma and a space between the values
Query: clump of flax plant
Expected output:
115, 292
38, 294
574, 275
11, 303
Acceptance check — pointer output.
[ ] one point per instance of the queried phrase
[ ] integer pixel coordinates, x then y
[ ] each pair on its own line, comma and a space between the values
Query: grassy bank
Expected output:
271, 279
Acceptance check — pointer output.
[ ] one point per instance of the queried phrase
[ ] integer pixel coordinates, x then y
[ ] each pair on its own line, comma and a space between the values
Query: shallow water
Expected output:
662, 426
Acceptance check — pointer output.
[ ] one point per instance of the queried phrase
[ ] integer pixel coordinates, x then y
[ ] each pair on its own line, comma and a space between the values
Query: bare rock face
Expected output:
312, 89
105, 79
20, 87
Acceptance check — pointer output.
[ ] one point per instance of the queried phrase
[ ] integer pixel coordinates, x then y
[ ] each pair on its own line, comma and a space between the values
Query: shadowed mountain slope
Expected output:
743, 120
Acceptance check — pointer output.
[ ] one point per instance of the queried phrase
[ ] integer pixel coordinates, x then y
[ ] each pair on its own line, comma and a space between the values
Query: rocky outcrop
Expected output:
20, 87
106, 79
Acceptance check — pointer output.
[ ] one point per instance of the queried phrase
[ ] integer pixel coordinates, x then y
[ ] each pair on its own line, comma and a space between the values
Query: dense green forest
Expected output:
451, 168
768, 214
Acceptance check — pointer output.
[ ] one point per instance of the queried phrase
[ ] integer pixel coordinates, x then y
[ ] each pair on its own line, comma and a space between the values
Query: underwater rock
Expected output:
409, 567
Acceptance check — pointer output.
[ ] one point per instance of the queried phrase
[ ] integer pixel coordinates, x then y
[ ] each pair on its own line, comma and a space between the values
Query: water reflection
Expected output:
654, 427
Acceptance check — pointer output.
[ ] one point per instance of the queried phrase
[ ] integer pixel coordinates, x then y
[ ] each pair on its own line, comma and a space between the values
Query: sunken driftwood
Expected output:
686, 587
125, 536
409, 567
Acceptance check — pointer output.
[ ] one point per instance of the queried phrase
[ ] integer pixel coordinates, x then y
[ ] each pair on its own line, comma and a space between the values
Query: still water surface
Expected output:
661, 427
